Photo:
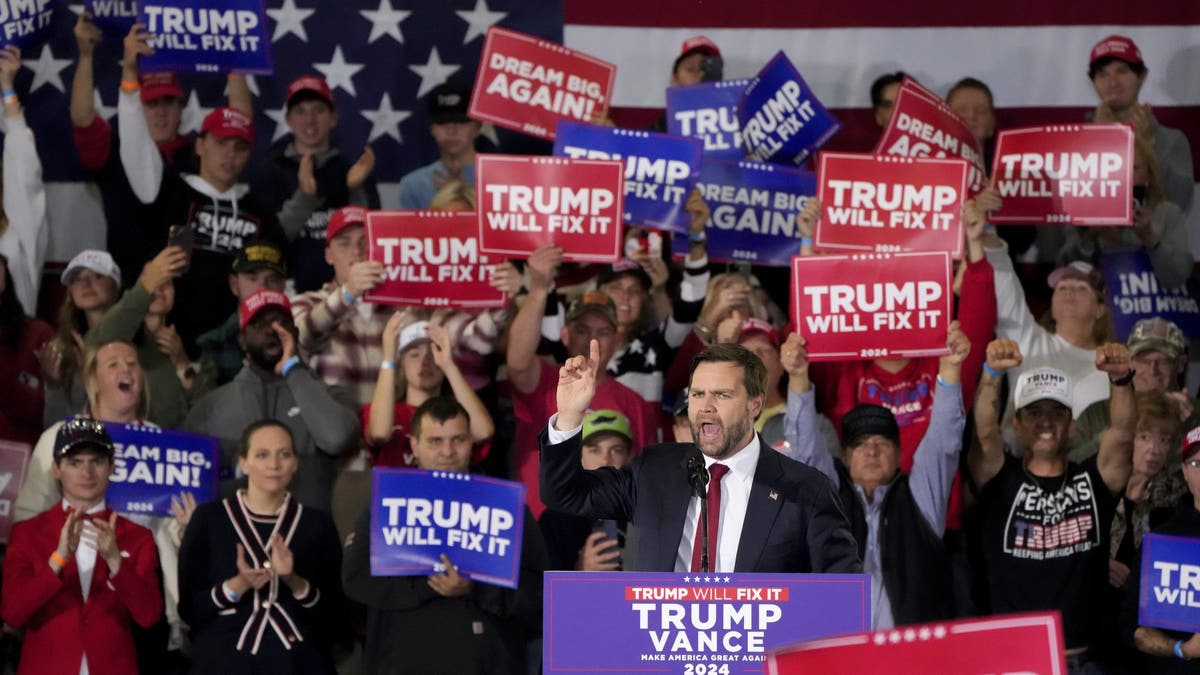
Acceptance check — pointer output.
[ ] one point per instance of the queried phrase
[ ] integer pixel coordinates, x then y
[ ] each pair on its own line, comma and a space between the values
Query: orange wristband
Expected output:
58, 559
128, 85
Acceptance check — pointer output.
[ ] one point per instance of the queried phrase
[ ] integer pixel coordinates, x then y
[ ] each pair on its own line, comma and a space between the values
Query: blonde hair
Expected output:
92, 386
1156, 408
453, 191
720, 282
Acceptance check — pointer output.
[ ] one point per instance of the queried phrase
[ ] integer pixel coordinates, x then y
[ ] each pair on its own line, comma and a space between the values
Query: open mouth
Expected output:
710, 431
125, 384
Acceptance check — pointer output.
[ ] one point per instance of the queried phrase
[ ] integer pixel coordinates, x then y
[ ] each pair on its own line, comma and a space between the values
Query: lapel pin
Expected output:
774, 495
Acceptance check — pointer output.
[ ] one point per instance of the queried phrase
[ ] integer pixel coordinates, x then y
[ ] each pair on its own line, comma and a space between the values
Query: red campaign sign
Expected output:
889, 204
1014, 643
525, 202
527, 84
430, 258
1070, 174
922, 125
13, 459
872, 305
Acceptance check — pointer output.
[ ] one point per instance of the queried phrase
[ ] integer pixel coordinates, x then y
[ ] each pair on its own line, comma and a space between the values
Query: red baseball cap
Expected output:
257, 302
1117, 47
157, 85
229, 123
310, 83
347, 216
700, 44
1191, 444
754, 326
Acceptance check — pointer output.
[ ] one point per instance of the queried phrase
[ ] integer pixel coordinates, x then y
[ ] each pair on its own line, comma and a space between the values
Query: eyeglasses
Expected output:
1193, 463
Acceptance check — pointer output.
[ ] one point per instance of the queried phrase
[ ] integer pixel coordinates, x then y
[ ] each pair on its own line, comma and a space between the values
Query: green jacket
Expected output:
220, 346
169, 401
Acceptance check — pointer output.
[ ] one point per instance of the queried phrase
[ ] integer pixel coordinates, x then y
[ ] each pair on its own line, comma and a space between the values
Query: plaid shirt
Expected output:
341, 340
342, 344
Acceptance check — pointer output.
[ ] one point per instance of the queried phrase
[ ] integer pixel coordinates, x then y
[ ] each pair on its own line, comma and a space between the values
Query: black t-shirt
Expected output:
1046, 543
220, 228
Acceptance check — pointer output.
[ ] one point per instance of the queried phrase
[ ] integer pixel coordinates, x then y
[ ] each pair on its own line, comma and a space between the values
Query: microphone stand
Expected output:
698, 477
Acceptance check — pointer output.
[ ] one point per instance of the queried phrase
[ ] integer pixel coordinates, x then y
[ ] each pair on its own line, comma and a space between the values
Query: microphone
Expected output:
698, 477
697, 474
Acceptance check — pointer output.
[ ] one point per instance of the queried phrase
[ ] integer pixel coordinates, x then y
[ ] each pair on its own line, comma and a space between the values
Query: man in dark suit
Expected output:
769, 514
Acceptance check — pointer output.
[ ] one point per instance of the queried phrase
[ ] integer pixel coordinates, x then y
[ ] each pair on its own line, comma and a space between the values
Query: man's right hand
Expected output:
87, 35
68, 537
364, 275
1003, 354
305, 176
137, 43
542, 265
599, 554
576, 387
806, 220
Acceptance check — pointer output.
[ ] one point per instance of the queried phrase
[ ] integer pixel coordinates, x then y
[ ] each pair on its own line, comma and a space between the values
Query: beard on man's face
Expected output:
266, 353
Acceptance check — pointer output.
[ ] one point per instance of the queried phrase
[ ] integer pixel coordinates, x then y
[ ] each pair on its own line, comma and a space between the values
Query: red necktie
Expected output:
715, 472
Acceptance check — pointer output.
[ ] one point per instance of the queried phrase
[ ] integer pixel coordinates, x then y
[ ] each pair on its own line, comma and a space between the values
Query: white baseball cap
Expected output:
413, 334
1043, 383
99, 262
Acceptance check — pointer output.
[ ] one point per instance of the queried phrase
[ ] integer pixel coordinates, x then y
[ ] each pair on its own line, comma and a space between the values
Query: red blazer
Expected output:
59, 625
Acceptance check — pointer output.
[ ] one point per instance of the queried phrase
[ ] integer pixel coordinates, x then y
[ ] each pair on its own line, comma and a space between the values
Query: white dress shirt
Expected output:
85, 560
735, 498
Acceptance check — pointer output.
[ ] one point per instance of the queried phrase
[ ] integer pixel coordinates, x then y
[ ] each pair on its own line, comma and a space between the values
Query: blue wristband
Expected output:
944, 383
7, 93
387, 365
348, 298
806, 241
1179, 651
289, 364
991, 372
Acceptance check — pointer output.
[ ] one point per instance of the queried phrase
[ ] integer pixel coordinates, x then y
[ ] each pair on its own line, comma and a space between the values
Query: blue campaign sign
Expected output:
476, 521
708, 111
115, 17
153, 465
207, 36
1135, 294
660, 169
678, 622
754, 207
781, 120
1170, 590
26, 23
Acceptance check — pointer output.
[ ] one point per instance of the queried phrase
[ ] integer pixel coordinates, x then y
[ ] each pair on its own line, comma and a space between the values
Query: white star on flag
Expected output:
278, 116
385, 21
433, 73
384, 120
193, 114
479, 20
105, 112
339, 73
289, 19
47, 70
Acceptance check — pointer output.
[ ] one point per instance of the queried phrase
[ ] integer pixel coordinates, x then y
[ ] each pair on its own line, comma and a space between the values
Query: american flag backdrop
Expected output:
382, 57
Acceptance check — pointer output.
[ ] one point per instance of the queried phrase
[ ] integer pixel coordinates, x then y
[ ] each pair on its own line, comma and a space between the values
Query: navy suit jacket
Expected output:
794, 519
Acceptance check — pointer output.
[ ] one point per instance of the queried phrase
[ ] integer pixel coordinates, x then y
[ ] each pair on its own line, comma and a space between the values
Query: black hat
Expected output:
82, 433
260, 254
869, 420
448, 103
625, 268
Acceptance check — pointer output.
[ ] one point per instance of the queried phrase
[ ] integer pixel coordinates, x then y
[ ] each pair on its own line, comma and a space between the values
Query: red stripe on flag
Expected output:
775, 14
